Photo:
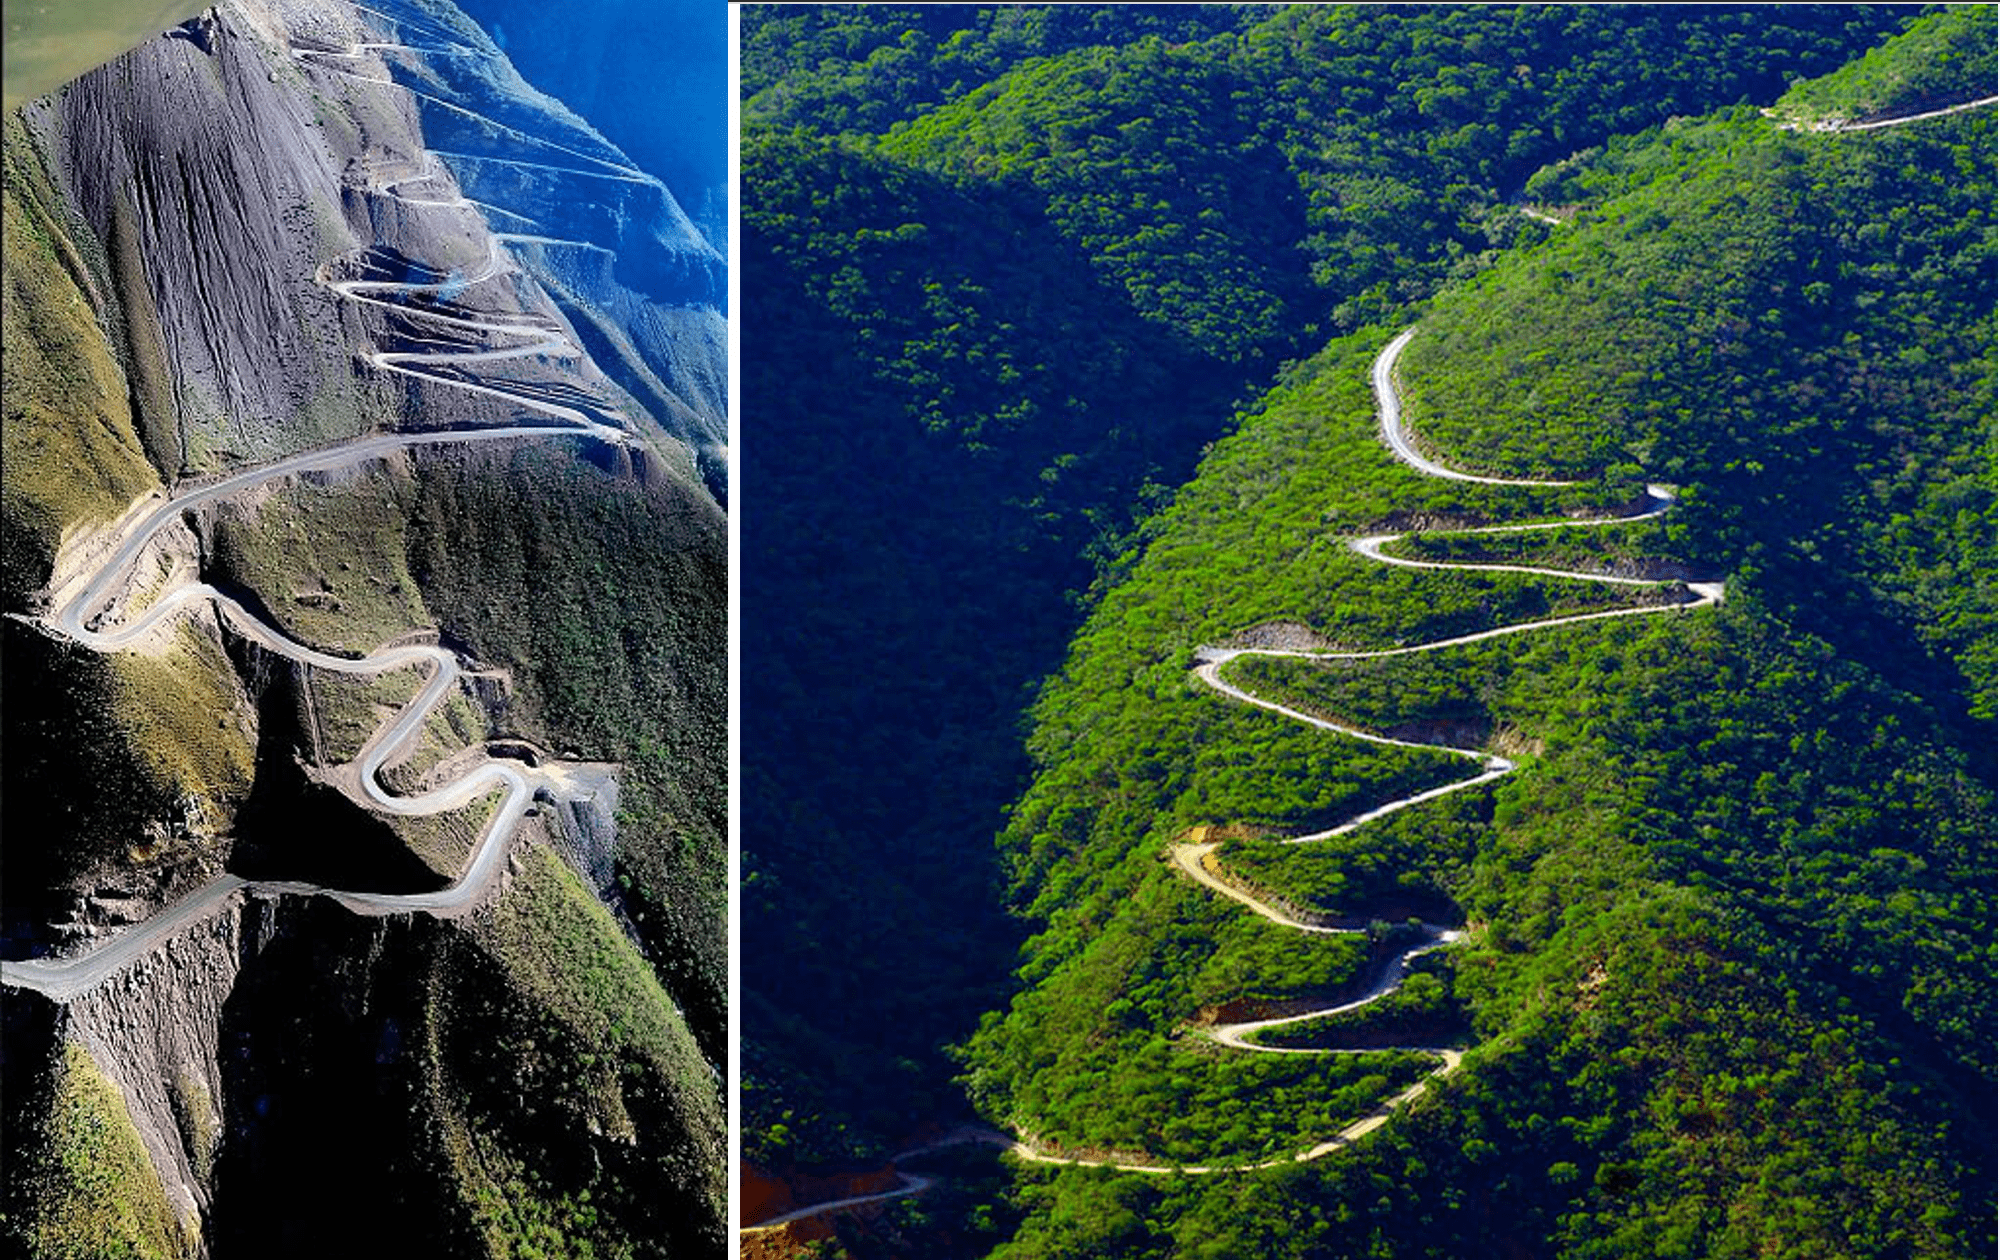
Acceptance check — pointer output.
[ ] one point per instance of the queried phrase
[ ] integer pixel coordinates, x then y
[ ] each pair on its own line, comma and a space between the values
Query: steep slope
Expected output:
654, 76
1942, 63
1725, 988
372, 736
607, 241
1028, 261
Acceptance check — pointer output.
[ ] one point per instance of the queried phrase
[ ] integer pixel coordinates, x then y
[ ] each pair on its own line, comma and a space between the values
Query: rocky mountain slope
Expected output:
302, 412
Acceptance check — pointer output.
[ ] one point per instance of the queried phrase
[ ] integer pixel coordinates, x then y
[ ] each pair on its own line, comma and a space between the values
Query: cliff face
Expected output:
214, 182
241, 241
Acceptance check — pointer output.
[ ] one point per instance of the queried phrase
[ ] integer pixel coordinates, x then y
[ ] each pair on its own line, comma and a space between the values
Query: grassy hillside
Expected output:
157, 746
604, 594
73, 458
592, 1045
83, 1187
513, 1085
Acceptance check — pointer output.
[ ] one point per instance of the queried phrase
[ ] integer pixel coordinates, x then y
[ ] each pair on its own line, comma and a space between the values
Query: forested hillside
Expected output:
1724, 981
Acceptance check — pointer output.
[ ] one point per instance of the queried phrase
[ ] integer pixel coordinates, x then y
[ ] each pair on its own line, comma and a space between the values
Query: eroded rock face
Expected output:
154, 1030
213, 180
237, 167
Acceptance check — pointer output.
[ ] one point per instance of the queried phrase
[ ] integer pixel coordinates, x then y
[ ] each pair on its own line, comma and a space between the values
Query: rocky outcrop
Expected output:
155, 1031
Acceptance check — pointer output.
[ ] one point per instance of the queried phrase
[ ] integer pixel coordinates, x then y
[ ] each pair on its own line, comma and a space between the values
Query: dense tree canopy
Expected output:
1727, 990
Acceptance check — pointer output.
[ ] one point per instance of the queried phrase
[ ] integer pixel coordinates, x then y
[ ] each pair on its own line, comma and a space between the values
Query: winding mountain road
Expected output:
907, 1184
1196, 860
84, 603
1842, 126
449, 48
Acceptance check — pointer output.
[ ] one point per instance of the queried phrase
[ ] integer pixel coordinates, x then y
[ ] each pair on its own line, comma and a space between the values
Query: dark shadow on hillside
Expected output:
941, 441
292, 828
325, 1148
69, 783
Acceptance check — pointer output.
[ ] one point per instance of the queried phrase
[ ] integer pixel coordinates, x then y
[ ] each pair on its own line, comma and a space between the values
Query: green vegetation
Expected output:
453, 726
199, 1122
141, 762
352, 707
561, 946
1947, 58
515, 1083
1259, 189
446, 842
603, 596
139, 759
328, 561
1641, 549
182, 721
72, 457
580, 1116
838, 69
1796, 327
87, 1190
49, 47
1420, 1012
1733, 915
1033, 257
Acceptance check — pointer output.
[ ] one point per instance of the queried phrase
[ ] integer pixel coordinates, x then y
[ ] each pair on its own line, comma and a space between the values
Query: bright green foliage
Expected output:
1312, 170
1729, 924
836, 68
1640, 549
1800, 328
1729, 973
71, 453
88, 1190
1943, 59
1421, 1011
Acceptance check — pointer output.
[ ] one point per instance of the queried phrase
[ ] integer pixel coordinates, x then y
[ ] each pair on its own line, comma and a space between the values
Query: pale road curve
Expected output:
449, 48
1196, 860
1841, 126
80, 613
1390, 408
908, 1183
